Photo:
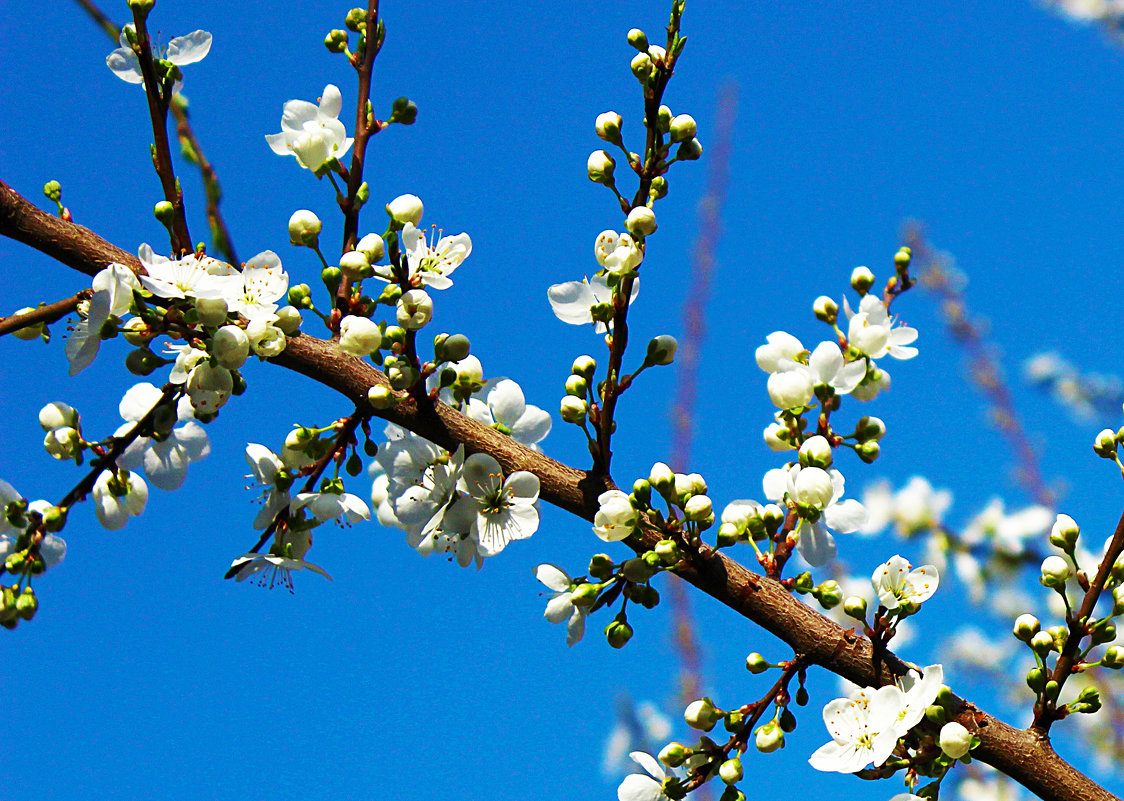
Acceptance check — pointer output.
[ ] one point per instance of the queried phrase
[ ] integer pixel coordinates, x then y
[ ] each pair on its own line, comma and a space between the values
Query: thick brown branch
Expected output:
1025, 756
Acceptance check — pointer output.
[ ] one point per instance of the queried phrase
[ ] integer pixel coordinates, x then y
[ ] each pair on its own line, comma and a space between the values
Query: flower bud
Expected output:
661, 478
637, 38
618, 633
289, 320
230, 347
776, 437
599, 167
601, 566
63, 443
585, 594
816, 452
304, 228
404, 209
862, 280
576, 386
682, 128
608, 127
1055, 572
870, 428
658, 188
165, 212
769, 737
828, 594
1113, 657
359, 336
336, 42
755, 663
584, 366
373, 247
674, 754
53, 190
691, 150
1064, 533
902, 259
1026, 626
211, 311
380, 397
661, 350
637, 570
573, 410
702, 714
356, 19
1104, 445
27, 604
955, 740
825, 309
415, 309
790, 389
354, 264
698, 508
642, 67
1042, 643
30, 332
142, 362
668, 552
855, 607
641, 221
868, 451
57, 415
731, 771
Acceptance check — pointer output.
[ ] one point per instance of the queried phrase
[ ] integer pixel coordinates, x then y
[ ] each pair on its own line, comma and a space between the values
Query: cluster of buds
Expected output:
64, 432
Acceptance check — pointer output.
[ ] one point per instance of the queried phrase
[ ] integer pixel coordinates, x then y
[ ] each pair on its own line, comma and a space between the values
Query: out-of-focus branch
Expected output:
44, 314
1023, 755
985, 370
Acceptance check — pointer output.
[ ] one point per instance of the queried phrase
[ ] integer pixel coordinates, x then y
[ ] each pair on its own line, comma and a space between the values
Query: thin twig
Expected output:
44, 314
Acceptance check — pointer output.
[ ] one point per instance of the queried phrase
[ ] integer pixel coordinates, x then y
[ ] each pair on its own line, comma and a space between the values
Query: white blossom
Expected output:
616, 518
573, 300
640, 787
815, 542
505, 409
165, 459
277, 566
263, 283
429, 261
312, 133
118, 498
496, 510
897, 581
331, 505
560, 607
872, 331
617, 253
181, 51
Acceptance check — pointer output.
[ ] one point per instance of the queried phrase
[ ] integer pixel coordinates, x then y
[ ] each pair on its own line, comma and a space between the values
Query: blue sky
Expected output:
146, 674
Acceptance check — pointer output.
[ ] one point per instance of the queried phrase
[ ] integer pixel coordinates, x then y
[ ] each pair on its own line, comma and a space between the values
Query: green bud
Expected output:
576, 386
641, 492
825, 309
1042, 643
165, 212
637, 570
1026, 626
1064, 533
1113, 657
1104, 445
53, 191
642, 67
828, 594
661, 350
381, 397
15, 561
803, 583
862, 280
755, 663
936, 714
731, 771
638, 39
727, 536
668, 552
1104, 631
143, 6
300, 296
868, 451
870, 428
585, 594
601, 566
618, 633
855, 607
54, 519
691, 150
336, 41
1051, 690
142, 361
455, 348
356, 19
674, 754
608, 127
658, 188
902, 258
403, 111
27, 604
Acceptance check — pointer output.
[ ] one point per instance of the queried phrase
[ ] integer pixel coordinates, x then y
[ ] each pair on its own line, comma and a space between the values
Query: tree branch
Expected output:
1025, 756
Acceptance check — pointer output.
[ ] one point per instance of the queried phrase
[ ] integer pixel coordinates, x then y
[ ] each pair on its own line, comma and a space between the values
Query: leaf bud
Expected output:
731, 771
769, 738
855, 607
702, 714
362, 195
825, 309
638, 39
862, 280
1026, 626
1055, 572
674, 754
661, 350
601, 566
691, 150
608, 127
618, 633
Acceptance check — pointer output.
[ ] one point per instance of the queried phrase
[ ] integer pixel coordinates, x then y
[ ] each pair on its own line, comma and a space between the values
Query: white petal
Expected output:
125, 66
553, 577
190, 48
571, 302
331, 101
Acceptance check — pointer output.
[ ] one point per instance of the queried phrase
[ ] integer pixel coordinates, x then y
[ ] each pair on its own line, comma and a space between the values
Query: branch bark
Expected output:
1025, 756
